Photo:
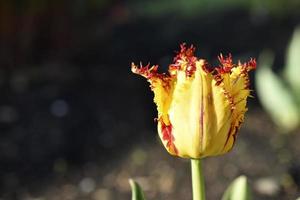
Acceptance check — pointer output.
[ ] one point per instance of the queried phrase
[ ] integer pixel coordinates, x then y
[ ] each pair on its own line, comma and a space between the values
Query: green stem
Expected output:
197, 180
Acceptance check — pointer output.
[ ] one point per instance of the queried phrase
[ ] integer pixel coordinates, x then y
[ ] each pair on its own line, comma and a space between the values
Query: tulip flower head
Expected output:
200, 109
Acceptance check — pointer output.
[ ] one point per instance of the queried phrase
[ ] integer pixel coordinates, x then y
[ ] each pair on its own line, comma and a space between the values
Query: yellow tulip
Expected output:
200, 109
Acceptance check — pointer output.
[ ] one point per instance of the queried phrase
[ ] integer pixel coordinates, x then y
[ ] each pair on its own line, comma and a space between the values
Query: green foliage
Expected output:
136, 190
280, 95
292, 69
191, 8
238, 190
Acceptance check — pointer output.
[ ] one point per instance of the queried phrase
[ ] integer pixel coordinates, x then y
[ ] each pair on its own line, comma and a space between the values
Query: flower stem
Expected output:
197, 180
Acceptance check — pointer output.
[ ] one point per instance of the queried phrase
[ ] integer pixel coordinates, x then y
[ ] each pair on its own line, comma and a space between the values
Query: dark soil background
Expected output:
75, 123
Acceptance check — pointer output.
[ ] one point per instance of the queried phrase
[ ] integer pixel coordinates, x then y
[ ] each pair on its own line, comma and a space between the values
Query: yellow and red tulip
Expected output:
200, 108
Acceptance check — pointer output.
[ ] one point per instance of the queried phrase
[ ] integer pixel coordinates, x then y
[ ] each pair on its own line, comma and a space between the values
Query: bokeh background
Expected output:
75, 123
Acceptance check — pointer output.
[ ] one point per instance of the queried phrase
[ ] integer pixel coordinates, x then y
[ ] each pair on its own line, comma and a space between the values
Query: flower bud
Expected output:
200, 109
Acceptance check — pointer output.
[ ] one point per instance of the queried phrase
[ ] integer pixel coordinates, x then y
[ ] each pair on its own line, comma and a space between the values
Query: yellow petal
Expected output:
161, 85
234, 81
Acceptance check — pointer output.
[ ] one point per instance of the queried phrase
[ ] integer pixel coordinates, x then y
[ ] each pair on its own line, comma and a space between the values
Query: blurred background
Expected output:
75, 123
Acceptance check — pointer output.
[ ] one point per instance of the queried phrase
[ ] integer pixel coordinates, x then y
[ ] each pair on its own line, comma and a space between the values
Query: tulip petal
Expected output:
187, 106
161, 85
235, 83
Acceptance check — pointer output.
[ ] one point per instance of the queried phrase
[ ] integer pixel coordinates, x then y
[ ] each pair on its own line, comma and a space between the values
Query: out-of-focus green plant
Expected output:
136, 190
238, 190
280, 94
198, 7
292, 70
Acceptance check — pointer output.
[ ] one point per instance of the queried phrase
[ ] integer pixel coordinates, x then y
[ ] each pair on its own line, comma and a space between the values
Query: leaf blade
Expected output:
136, 191
276, 98
238, 190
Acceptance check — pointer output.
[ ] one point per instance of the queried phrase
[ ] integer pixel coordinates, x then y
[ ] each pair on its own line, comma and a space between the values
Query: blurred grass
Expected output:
159, 7
196, 7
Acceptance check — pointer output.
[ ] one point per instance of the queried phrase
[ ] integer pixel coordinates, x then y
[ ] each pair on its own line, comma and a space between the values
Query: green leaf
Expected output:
292, 68
238, 190
136, 190
276, 98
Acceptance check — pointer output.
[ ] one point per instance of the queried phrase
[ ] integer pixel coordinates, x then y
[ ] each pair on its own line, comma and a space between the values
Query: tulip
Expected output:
200, 108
